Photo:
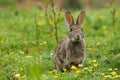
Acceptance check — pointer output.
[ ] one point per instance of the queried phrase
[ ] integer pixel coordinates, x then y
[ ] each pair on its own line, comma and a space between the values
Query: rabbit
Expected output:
71, 50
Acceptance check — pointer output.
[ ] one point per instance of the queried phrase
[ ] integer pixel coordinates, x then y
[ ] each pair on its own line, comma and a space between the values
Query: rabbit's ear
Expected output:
80, 18
69, 18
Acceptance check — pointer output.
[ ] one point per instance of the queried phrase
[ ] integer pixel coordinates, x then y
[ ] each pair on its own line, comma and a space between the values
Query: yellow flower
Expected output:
107, 76
28, 57
91, 67
94, 72
1, 41
55, 76
110, 69
22, 52
85, 68
21, 68
104, 27
64, 69
116, 69
80, 65
11, 52
101, 17
40, 23
94, 61
89, 48
90, 61
78, 72
102, 74
90, 70
25, 42
23, 77
116, 76
44, 42
98, 44
54, 70
50, 72
17, 75
73, 67
51, 22
113, 72
95, 65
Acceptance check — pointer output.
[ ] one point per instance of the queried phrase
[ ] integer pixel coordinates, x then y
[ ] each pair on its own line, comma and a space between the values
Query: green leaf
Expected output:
47, 1
60, 20
55, 7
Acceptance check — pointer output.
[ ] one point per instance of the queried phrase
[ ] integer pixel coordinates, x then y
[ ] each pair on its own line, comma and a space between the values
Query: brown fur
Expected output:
71, 50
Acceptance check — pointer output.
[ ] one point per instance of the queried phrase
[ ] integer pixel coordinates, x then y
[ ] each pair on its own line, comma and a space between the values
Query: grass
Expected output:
20, 58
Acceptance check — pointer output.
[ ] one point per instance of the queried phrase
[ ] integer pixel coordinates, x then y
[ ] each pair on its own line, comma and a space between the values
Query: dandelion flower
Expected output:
91, 67
90, 61
21, 69
11, 52
80, 65
73, 67
85, 68
51, 22
50, 72
98, 44
64, 69
110, 69
17, 75
78, 72
22, 52
25, 42
113, 72
28, 57
116, 69
23, 77
40, 23
94, 72
90, 70
54, 70
89, 48
104, 27
95, 65
116, 76
1, 41
55, 76
107, 76
94, 61
102, 74
44, 42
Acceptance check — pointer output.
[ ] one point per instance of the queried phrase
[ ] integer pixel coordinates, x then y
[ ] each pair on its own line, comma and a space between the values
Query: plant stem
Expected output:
55, 20
52, 29
114, 20
37, 30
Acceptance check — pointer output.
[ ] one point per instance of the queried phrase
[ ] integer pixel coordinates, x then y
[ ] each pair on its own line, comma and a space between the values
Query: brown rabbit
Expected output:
71, 50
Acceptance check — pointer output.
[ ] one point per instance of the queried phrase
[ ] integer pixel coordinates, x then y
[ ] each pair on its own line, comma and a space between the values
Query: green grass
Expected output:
8, 2
19, 52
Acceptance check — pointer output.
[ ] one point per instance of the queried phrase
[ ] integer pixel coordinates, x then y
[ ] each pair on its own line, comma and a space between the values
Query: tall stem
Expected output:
55, 20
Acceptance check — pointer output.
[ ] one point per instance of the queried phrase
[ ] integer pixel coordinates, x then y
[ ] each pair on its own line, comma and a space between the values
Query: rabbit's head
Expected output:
76, 32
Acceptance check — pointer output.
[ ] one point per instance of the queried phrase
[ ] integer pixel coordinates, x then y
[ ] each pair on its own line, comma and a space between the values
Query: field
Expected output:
27, 45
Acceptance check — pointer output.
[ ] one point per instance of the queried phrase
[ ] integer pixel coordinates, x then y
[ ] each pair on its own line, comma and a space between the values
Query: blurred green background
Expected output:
27, 42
